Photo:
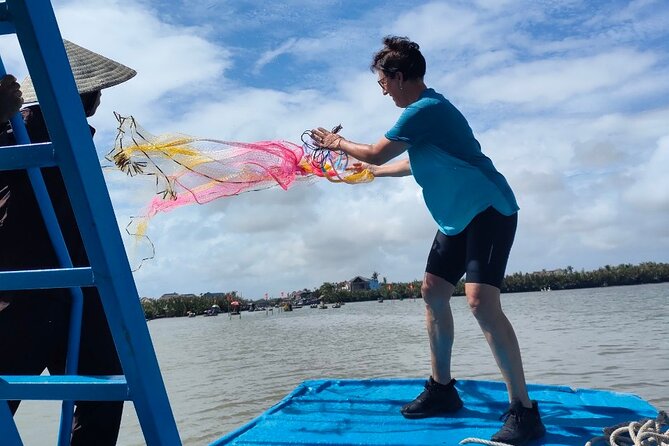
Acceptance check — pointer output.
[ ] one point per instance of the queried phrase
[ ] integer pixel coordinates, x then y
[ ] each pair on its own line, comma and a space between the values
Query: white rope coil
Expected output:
637, 433
482, 441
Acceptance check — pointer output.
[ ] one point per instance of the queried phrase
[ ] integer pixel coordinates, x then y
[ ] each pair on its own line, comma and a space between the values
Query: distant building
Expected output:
303, 295
359, 283
171, 295
220, 295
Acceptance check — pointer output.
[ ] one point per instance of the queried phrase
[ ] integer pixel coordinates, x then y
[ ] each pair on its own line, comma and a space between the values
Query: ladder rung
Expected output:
27, 155
64, 387
46, 278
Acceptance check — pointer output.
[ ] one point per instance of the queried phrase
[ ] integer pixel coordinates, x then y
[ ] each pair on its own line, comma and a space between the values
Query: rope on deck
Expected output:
637, 433
482, 441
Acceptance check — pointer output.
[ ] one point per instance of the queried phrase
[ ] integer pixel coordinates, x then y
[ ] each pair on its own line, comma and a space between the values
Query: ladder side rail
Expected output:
64, 260
41, 42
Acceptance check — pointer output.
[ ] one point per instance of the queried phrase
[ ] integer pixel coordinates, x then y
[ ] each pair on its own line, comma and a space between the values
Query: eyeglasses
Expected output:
383, 82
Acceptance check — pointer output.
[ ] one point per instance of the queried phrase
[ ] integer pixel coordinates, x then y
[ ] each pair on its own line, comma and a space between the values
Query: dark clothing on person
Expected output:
481, 250
34, 327
24, 240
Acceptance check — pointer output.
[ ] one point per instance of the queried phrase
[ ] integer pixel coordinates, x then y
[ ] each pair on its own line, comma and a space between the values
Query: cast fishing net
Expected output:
191, 170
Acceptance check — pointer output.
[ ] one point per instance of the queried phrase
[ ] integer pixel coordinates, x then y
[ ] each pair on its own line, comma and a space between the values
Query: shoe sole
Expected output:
535, 436
417, 416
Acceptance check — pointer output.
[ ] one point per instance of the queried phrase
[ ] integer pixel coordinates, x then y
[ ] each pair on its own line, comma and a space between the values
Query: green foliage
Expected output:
179, 305
567, 278
560, 279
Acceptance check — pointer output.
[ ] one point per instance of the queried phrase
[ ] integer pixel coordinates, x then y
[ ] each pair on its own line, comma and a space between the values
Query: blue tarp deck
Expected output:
366, 412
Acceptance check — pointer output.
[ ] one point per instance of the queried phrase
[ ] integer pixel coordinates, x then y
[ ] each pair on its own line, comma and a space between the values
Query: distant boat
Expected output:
213, 311
380, 300
337, 305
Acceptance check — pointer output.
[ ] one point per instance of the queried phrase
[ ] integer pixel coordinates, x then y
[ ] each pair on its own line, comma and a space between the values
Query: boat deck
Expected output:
366, 412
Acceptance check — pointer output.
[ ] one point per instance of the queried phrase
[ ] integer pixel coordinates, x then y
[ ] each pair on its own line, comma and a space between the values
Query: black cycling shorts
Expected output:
481, 250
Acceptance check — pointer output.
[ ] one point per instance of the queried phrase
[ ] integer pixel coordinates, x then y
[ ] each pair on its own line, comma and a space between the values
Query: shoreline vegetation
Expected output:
180, 305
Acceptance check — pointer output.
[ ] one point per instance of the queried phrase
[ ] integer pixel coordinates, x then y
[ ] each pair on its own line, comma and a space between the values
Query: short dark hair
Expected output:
399, 55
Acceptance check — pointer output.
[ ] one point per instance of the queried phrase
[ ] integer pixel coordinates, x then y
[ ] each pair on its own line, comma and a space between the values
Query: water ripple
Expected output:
220, 372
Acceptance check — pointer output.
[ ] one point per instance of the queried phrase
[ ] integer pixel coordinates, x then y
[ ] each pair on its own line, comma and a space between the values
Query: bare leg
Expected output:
439, 321
484, 301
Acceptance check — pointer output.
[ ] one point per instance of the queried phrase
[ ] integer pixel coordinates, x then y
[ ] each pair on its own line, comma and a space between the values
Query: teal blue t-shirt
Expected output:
457, 179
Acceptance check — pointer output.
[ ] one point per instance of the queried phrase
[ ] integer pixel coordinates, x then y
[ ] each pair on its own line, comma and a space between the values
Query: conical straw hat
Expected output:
92, 72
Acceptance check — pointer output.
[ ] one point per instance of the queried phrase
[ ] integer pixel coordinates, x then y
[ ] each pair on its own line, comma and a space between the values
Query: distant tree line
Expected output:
559, 279
176, 305
566, 279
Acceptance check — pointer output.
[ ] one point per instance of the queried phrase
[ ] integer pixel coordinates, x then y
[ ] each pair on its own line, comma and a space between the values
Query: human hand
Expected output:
11, 98
360, 167
327, 139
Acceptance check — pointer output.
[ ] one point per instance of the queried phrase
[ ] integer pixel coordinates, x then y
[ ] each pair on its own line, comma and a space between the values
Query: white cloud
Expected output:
572, 109
566, 170
551, 81
172, 62
648, 187
268, 56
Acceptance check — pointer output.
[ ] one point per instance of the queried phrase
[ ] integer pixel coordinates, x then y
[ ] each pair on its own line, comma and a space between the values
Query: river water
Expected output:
222, 372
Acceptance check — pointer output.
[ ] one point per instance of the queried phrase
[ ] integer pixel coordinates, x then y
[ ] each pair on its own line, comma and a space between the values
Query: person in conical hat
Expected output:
92, 74
34, 323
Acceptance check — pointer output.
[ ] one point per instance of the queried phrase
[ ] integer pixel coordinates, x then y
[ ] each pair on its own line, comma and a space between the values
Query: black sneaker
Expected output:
436, 399
521, 424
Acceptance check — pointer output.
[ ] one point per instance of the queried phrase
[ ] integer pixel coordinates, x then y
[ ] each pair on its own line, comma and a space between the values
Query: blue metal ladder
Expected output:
72, 150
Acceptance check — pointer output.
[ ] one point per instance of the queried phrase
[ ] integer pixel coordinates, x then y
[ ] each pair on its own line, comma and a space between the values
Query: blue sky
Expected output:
570, 99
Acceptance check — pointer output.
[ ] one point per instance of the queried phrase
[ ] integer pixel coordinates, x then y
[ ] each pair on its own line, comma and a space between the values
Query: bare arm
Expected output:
379, 153
399, 168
